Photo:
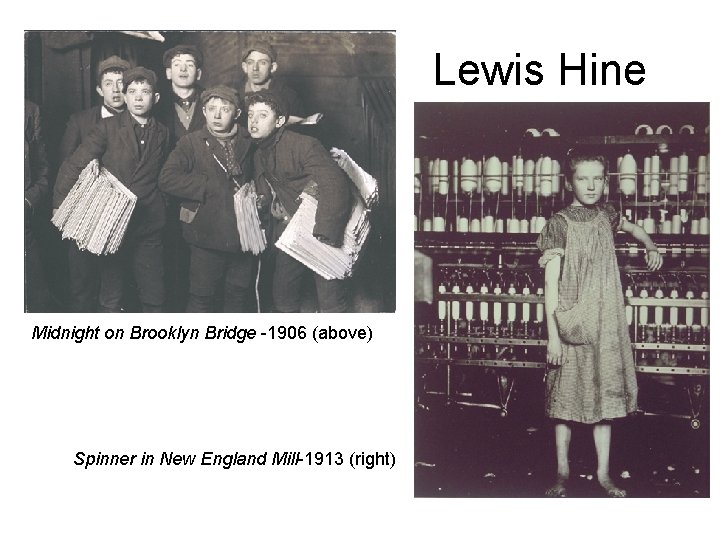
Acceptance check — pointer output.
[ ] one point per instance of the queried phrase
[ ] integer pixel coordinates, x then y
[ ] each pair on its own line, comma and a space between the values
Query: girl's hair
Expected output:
575, 157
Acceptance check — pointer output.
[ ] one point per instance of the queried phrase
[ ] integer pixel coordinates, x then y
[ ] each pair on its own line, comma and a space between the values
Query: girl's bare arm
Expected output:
652, 256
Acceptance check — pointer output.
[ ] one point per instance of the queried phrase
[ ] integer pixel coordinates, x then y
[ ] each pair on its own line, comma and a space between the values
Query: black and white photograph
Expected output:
209, 171
562, 261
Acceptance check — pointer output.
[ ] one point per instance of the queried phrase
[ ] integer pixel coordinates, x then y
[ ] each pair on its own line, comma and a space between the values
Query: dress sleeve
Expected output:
552, 239
614, 216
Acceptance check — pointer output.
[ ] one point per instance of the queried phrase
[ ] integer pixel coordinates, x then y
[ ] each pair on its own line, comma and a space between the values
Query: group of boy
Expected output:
186, 156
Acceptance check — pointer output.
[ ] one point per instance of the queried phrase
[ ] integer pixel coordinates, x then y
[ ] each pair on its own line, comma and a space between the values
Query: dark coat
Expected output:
36, 162
289, 161
192, 174
78, 127
165, 112
113, 142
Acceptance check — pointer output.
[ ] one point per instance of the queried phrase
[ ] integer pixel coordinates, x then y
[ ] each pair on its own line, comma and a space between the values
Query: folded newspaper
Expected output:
96, 212
332, 262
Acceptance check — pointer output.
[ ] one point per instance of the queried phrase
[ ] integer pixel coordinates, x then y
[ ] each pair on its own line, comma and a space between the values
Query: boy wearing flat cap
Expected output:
259, 63
132, 146
83, 266
285, 163
181, 113
205, 170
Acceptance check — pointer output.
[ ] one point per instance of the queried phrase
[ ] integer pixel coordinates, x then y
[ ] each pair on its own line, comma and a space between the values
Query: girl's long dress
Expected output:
597, 382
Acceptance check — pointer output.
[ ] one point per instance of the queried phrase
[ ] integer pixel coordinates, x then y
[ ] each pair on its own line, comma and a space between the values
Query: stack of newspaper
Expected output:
332, 262
96, 212
252, 237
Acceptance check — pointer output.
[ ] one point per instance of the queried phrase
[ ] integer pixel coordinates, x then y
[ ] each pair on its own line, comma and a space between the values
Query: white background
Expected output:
58, 398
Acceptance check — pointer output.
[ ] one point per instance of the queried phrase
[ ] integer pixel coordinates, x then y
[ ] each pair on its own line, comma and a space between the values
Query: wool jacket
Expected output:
288, 161
194, 174
114, 144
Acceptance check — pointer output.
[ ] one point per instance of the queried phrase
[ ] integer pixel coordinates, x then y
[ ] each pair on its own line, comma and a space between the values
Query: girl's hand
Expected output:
554, 352
653, 259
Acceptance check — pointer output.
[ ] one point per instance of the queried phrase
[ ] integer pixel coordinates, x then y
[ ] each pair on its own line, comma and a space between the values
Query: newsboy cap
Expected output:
113, 63
262, 47
183, 49
138, 73
221, 91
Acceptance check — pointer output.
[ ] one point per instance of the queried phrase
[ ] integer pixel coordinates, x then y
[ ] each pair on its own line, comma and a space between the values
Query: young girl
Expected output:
591, 372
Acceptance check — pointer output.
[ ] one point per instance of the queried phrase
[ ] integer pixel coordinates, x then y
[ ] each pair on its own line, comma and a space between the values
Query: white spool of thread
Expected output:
427, 225
704, 225
649, 225
540, 224
529, 173
540, 308
533, 224
468, 176
493, 173
674, 168
683, 173
546, 177
443, 186
488, 224
497, 308
628, 175
484, 311
526, 306
434, 174
442, 305
438, 224
647, 168
538, 169
676, 224
666, 227
505, 189
629, 309
695, 226
455, 304
455, 177
689, 312
513, 225
475, 225
469, 306
462, 224
655, 177
518, 172
555, 179
511, 307
499, 226
524, 226
702, 183
704, 313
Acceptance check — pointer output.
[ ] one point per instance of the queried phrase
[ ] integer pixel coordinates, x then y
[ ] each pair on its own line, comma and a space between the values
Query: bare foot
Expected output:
610, 488
558, 489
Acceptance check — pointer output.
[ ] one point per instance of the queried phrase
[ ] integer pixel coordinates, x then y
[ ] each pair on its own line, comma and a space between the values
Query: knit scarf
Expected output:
225, 140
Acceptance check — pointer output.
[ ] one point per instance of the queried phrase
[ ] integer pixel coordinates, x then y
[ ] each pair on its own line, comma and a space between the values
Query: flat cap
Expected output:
221, 91
113, 63
183, 49
260, 46
138, 73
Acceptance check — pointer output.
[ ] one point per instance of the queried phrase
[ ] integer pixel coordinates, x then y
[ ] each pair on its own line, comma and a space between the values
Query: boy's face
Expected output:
220, 114
183, 71
110, 88
263, 121
140, 98
258, 67
588, 182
